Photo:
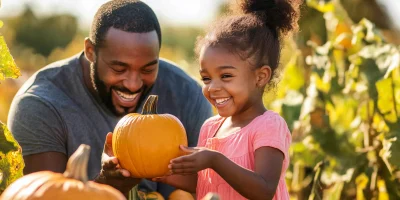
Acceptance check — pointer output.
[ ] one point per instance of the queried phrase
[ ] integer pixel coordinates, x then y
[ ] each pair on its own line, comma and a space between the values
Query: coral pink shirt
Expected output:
268, 129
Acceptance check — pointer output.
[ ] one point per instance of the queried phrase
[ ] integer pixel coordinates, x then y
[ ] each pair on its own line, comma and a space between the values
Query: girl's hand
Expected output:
199, 158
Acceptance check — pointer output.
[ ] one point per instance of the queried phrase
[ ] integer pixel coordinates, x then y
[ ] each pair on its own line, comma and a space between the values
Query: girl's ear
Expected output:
89, 50
264, 75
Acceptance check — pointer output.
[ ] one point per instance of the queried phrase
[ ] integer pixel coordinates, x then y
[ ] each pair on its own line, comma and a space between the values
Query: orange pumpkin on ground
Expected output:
149, 196
73, 184
145, 143
180, 195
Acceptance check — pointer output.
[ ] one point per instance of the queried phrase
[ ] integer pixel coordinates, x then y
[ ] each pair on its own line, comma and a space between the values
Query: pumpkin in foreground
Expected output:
180, 195
145, 143
73, 184
149, 196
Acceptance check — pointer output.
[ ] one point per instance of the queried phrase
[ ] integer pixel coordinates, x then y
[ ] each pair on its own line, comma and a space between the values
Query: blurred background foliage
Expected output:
339, 90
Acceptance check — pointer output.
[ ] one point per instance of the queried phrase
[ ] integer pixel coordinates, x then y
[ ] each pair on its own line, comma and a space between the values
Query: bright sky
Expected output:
175, 12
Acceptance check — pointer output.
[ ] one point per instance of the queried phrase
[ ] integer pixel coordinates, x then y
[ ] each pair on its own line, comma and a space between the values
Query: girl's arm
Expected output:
183, 182
260, 184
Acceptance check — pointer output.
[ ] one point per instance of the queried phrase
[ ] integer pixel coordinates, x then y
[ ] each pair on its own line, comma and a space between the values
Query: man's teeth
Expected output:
127, 96
223, 100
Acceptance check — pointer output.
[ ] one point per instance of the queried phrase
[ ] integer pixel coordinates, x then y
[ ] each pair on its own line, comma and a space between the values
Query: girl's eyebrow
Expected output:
226, 67
220, 68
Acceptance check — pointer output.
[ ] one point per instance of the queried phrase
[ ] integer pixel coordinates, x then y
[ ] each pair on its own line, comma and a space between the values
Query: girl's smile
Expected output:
230, 83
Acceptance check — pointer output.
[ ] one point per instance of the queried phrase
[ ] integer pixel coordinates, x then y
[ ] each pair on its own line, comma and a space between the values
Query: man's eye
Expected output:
148, 71
118, 70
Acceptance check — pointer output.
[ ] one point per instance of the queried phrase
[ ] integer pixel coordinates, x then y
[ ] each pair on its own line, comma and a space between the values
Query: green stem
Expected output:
150, 106
77, 164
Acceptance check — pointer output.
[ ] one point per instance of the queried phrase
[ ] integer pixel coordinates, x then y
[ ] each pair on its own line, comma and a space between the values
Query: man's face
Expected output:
124, 68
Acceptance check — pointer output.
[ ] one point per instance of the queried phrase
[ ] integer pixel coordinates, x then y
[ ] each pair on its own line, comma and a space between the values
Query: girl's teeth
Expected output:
220, 101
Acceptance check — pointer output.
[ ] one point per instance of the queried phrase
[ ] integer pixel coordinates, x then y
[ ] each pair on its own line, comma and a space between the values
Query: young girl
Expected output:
242, 153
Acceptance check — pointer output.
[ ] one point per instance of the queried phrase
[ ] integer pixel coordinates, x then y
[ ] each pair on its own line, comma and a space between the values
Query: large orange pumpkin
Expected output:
145, 143
180, 195
73, 184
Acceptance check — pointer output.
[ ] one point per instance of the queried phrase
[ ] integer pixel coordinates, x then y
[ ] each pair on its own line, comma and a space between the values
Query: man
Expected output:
80, 99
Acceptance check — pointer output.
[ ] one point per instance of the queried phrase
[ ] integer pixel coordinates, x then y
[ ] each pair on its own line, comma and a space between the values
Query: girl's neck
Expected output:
245, 117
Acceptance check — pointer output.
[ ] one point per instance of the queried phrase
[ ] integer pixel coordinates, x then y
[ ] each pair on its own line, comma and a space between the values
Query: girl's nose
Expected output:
214, 86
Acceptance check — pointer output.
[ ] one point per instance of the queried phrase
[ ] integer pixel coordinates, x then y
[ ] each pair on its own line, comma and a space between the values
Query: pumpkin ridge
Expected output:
23, 185
34, 186
141, 157
127, 147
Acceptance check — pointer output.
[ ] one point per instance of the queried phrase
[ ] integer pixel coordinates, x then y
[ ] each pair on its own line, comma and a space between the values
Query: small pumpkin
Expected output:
145, 143
150, 196
73, 184
180, 195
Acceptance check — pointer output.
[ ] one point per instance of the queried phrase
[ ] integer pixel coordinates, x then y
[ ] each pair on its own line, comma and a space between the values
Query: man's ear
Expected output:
89, 50
264, 75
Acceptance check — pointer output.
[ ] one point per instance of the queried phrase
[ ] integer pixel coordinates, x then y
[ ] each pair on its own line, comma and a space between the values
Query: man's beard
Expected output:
106, 95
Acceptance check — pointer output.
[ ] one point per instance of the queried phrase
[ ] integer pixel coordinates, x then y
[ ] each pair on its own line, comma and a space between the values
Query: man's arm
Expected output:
52, 161
38, 129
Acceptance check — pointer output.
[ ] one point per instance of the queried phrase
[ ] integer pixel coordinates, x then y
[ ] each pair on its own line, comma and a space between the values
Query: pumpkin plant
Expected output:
73, 184
11, 162
145, 143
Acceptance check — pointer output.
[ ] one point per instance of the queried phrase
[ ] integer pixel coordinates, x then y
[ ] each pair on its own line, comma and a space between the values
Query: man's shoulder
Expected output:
48, 77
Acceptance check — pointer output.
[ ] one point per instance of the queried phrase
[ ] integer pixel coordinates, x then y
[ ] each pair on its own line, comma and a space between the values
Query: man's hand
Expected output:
111, 172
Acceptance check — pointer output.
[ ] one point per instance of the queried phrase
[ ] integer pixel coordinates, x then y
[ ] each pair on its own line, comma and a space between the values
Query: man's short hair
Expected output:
126, 15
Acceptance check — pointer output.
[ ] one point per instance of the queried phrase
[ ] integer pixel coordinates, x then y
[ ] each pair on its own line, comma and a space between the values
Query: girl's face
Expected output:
231, 84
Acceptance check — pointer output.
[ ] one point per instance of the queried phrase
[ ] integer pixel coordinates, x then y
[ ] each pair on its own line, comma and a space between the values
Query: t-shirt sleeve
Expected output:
36, 125
272, 132
198, 113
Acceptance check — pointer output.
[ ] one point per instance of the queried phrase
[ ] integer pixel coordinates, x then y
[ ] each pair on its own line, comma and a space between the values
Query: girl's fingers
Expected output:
187, 158
185, 171
182, 165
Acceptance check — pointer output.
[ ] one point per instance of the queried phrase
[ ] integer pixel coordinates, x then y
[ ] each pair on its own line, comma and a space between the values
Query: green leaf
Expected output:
8, 68
11, 161
321, 6
386, 103
6, 142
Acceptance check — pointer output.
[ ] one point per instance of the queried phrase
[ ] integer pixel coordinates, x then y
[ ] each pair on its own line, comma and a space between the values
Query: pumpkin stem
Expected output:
150, 106
77, 164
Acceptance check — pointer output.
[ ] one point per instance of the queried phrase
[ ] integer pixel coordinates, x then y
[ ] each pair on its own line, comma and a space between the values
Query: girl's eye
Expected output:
205, 79
226, 76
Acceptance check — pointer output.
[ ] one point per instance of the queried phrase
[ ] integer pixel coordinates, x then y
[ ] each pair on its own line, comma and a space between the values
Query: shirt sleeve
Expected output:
197, 115
272, 132
36, 125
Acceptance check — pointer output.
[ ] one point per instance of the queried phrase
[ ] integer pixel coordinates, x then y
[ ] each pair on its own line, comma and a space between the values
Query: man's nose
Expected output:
133, 82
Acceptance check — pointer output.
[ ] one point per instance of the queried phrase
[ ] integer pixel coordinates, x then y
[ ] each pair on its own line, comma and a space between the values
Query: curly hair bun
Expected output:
281, 15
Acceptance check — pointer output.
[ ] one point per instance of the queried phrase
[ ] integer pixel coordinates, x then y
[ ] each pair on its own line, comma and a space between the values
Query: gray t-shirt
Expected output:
54, 111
